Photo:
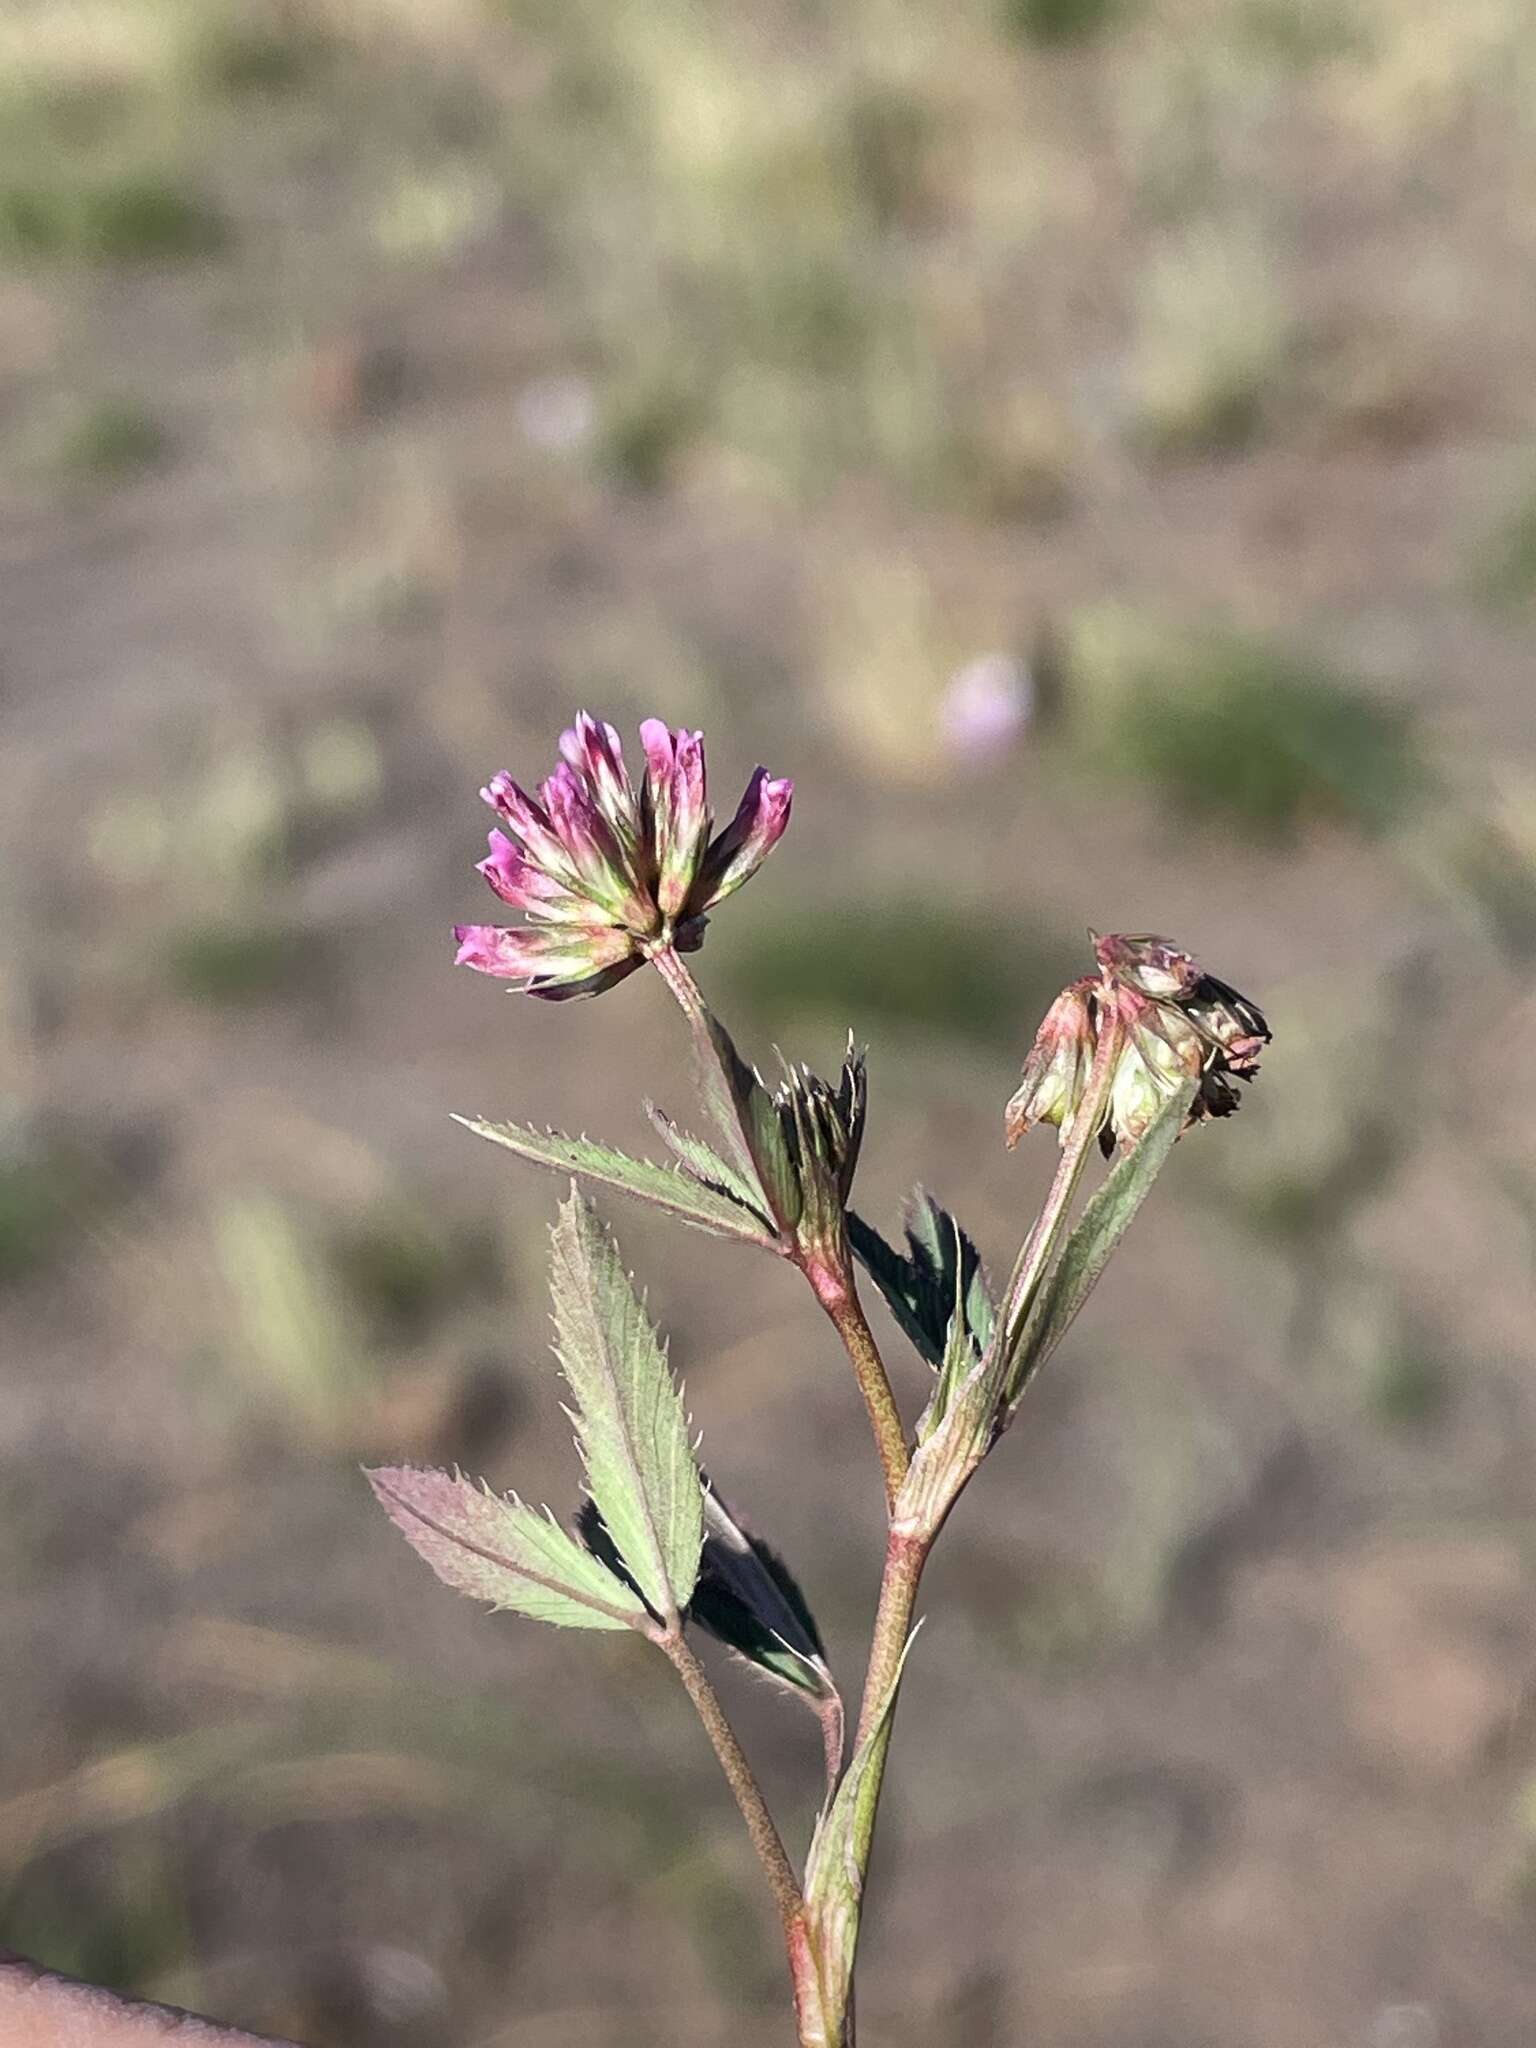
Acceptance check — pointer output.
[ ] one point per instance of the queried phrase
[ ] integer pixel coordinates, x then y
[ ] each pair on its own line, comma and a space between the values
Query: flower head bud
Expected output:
822, 1129
606, 874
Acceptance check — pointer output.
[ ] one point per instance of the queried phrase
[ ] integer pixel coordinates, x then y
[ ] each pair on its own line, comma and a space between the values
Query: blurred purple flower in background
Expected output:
608, 874
986, 704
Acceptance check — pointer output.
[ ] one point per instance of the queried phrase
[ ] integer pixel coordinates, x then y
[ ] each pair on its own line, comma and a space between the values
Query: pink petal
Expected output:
513, 954
606, 873
683, 824
596, 753
527, 888
656, 739
746, 842
530, 826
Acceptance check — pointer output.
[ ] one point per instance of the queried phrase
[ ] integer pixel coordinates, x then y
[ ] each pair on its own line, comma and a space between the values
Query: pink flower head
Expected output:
607, 874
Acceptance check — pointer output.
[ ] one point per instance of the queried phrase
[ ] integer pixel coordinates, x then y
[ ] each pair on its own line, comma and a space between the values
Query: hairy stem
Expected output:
905, 1556
834, 1288
674, 971
830, 1715
782, 1881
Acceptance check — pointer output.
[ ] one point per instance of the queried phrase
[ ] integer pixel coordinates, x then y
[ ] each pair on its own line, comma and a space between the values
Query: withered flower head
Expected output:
1056, 1071
1175, 1023
607, 874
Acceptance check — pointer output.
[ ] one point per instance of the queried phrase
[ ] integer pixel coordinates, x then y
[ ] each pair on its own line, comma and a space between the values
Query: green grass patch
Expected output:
642, 433
41, 1196
111, 438
886, 139
1239, 731
404, 1273
1408, 1389
960, 974
1504, 575
241, 963
1048, 24
131, 218
243, 59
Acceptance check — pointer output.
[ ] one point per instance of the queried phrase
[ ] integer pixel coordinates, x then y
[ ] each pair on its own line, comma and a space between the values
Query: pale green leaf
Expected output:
701, 1163
707, 1207
502, 1551
629, 1415
1087, 1252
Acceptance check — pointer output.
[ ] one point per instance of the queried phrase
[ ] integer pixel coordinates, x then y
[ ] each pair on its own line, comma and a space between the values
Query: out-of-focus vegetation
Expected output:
1088, 446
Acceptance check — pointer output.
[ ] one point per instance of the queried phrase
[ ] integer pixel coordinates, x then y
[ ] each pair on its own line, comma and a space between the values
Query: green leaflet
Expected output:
747, 1599
629, 1416
705, 1205
1087, 1251
701, 1163
839, 1854
502, 1551
939, 1276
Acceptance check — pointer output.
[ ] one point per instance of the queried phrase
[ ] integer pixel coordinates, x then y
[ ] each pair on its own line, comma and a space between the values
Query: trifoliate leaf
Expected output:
502, 1551
629, 1417
708, 1204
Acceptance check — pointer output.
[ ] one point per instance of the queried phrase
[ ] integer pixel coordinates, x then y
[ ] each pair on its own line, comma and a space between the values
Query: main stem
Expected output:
905, 1556
834, 1289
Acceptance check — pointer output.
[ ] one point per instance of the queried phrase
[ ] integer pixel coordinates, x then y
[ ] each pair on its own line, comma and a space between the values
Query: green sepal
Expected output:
708, 1204
631, 1428
498, 1549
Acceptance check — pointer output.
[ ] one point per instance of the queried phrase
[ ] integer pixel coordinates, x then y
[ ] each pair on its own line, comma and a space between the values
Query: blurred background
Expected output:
1090, 445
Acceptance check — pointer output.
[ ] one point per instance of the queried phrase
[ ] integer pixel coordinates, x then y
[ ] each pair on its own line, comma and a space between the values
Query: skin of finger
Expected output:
40, 2009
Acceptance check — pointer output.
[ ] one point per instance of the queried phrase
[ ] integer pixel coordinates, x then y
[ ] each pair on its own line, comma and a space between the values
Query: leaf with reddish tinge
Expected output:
502, 1551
